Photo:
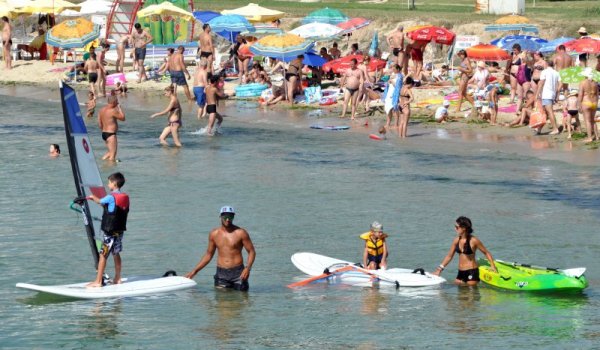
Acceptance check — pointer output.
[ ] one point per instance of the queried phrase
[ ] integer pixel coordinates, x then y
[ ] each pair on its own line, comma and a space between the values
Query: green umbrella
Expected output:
574, 75
326, 15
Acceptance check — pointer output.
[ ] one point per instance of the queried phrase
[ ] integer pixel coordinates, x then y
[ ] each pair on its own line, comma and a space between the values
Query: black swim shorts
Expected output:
230, 278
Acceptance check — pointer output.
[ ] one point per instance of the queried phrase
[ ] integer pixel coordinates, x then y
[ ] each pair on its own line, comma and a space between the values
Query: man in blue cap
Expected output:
228, 240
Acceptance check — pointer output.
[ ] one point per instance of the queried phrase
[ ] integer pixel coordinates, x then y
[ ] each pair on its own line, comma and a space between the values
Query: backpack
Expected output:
523, 74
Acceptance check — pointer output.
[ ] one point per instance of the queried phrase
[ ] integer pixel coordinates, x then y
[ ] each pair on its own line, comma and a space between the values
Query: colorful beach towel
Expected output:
395, 97
508, 109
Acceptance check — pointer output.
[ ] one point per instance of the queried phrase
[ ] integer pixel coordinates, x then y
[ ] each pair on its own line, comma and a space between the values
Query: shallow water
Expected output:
295, 189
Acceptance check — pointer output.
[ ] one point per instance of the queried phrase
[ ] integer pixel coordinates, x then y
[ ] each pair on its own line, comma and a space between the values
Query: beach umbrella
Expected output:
230, 24
583, 45
508, 38
374, 44
310, 59
512, 19
353, 24
72, 33
551, 45
574, 75
165, 9
255, 13
266, 29
341, 64
6, 10
317, 31
486, 52
326, 15
432, 34
90, 7
205, 16
281, 46
526, 44
511, 28
47, 6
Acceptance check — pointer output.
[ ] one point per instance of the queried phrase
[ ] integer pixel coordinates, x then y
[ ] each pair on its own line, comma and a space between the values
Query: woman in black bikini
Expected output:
293, 76
539, 65
465, 245
173, 111
406, 97
466, 72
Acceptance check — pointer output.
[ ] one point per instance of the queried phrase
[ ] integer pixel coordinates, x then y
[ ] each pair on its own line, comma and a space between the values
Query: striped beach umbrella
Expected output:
281, 46
72, 33
326, 15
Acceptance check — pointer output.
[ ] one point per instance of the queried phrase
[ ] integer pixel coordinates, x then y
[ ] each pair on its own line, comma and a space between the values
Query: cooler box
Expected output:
114, 78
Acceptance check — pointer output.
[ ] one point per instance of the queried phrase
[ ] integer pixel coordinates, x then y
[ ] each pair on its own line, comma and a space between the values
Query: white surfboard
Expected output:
315, 264
132, 286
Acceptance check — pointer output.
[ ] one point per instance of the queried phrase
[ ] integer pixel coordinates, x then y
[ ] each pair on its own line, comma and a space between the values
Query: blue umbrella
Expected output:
310, 59
526, 44
229, 26
551, 45
374, 44
205, 16
500, 41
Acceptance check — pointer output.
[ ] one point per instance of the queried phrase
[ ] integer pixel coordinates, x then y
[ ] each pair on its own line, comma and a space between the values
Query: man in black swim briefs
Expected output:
205, 44
228, 241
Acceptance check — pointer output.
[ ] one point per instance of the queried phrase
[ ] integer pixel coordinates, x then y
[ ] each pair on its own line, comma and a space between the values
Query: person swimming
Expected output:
54, 150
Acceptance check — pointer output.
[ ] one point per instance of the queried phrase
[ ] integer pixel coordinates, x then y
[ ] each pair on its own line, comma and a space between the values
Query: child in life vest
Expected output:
114, 221
376, 251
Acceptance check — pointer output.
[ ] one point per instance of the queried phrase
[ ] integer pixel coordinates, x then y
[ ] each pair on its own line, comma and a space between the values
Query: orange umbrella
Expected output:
485, 52
512, 19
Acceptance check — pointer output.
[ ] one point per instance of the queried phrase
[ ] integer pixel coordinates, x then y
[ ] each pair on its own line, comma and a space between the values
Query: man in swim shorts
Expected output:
352, 80
140, 38
395, 41
228, 240
200, 82
205, 44
92, 68
179, 71
107, 121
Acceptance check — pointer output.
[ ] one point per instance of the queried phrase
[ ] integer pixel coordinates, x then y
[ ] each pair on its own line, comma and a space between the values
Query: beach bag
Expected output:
522, 74
538, 117
313, 94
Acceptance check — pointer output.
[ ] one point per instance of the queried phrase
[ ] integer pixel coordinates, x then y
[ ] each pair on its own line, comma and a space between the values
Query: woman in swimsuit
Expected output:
588, 102
513, 68
293, 76
389, 102
539, 65
241, 59
466, 71
406, 97
173, 111
465, 244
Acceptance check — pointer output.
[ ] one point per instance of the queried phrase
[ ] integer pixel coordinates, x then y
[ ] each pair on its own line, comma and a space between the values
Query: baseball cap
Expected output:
227, 210
376, 226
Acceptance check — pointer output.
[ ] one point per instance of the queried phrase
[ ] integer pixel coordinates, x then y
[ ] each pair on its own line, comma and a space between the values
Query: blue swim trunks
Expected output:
200, 96
178, 78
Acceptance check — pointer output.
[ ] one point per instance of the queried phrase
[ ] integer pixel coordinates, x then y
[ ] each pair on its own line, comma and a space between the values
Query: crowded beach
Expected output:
411, 72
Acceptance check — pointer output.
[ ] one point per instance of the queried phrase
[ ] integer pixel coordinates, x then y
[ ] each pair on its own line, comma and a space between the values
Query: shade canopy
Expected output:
326, 15
281, 46
485, 52
72, 33
165, 9
256, 13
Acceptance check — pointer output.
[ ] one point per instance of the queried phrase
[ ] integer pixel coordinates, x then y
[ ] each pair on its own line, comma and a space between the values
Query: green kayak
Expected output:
515, 276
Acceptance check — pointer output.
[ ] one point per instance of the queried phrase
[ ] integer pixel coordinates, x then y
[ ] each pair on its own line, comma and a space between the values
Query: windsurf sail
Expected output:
83, 163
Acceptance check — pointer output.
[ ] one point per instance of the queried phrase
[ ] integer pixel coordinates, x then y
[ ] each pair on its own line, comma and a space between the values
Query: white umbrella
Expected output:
317, 31
90, 7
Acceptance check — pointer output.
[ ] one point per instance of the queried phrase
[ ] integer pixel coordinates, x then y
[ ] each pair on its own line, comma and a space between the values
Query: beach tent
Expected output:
255, 13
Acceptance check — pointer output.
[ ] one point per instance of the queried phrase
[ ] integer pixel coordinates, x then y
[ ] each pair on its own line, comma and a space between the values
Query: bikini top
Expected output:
467, 250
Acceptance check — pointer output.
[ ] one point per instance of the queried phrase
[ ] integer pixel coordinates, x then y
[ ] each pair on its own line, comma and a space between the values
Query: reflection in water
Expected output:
462, 308
374, 302
228, 308
103, 320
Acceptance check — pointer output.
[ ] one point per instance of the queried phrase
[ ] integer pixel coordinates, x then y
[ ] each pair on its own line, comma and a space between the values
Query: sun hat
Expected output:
227, 210
446, 103
582, 30
376, 226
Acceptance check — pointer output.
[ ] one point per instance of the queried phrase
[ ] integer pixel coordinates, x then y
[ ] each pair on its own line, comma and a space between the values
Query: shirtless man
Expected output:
140, 38
228, 240
92, 67
352, 80
107, 121
213, 93
588, 102
416, 55
6, 42
395, 41
177, 69
562, 60
102, 72
200, 82
121, 46
207, 49
334, 51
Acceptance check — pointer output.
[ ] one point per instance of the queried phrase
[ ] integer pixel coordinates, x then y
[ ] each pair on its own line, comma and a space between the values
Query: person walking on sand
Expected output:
140, 38
395, 41
178, 72
173, 112
562, 60
465, 244
107, 121
213, 93
6, 42
92, 68
588, 102
406, 97
207, 49
200, 83
548, 91
466, 71
351, 82
113, 226
228, 240
122, 45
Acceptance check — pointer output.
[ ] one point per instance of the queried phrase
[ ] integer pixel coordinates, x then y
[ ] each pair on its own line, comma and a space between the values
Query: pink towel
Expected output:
508, 109
452, 96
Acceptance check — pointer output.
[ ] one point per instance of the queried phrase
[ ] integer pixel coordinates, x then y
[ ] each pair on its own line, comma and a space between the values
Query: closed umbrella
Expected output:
255, 13
72, 33
326, 15
165, 9
353, 24
433, 34
583, 45
374, 44
317, 31
485, 52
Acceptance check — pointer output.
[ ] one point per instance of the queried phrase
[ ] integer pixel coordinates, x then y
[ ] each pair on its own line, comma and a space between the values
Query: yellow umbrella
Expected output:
417, 27
512, 19
165, 9
255, 13
6, 10
47, 6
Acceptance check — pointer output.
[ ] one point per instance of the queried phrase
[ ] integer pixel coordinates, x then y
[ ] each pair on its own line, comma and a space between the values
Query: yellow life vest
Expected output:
374, 248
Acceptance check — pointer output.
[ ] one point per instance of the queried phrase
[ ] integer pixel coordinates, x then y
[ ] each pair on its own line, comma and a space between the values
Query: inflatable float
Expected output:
250, 90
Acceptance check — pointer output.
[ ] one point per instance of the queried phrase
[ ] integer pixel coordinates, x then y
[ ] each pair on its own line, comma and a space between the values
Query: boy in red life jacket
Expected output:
114, 220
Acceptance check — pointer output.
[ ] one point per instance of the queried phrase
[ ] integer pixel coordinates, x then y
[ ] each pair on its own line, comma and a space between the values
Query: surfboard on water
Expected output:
330, 127
320, 265
88, 181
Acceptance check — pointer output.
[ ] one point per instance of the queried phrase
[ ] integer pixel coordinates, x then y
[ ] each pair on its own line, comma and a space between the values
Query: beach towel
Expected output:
391, 94
312, 94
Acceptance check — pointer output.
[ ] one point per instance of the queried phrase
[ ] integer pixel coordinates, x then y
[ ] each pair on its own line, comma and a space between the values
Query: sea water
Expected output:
294, 189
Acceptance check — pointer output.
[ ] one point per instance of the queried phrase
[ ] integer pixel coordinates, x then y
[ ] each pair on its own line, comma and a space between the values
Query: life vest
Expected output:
117, 220
374, 248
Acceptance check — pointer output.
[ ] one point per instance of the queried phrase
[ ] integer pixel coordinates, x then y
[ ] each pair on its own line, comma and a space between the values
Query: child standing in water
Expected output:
213, 93
376, 251
91, 105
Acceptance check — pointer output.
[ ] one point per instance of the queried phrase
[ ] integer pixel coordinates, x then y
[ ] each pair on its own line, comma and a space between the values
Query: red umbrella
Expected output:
432, 34
584, 45
341, 64
485, 52
353, 24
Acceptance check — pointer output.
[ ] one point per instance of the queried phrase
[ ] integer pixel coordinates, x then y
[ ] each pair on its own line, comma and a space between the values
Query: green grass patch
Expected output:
577, 136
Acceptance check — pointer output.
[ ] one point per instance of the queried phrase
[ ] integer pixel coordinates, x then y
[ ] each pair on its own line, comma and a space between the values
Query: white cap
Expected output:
588, 72
227, 210
446, 103
376, 226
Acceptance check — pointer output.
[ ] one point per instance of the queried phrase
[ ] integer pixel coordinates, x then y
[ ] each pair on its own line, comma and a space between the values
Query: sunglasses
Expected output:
227, 217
